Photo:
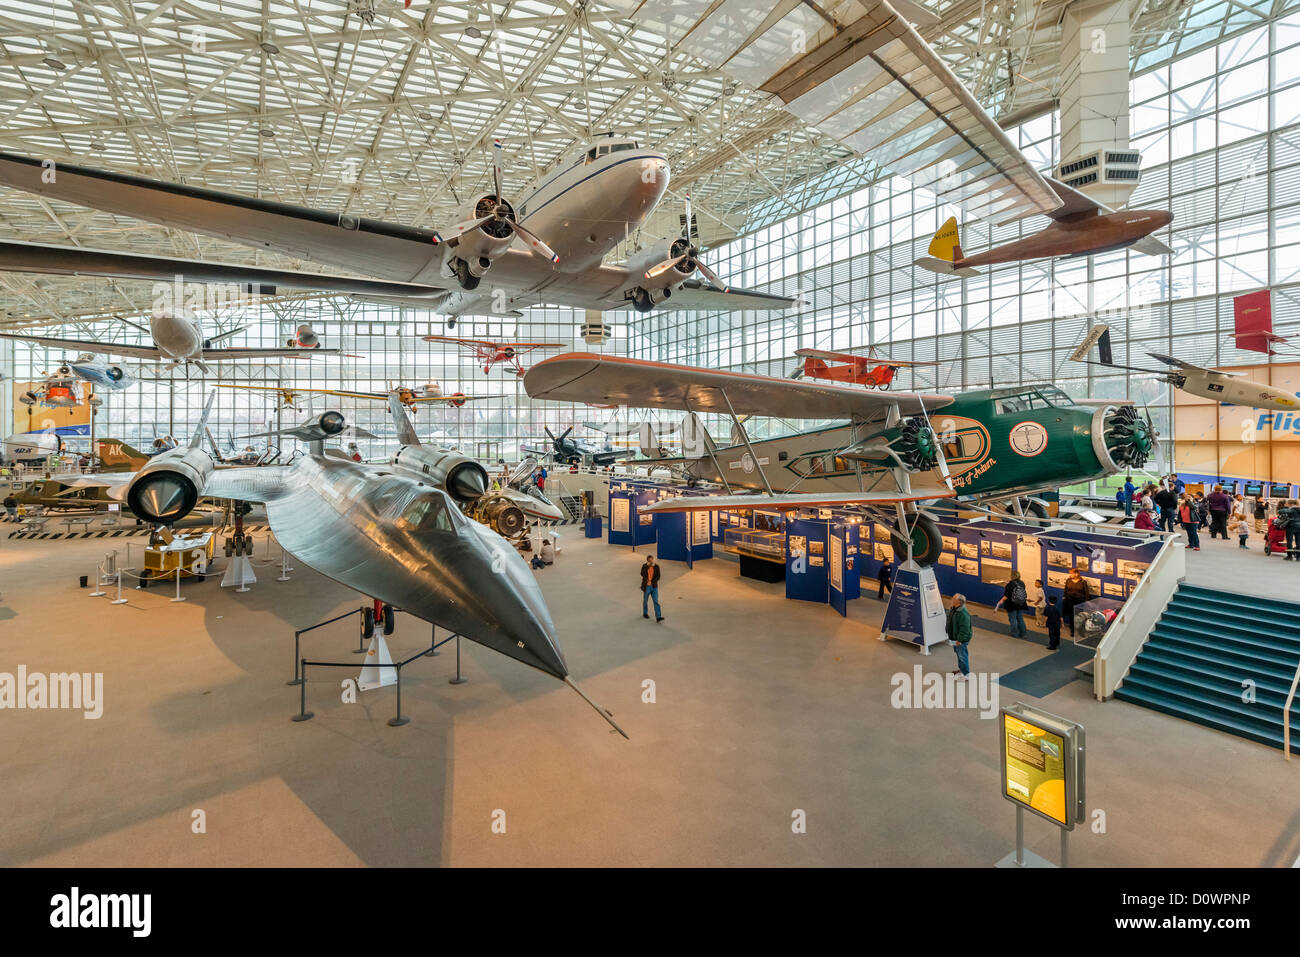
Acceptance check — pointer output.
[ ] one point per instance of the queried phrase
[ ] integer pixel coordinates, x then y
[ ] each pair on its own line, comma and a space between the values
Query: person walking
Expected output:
1167, 502
650, 588
1190, 520
1077, 591
1293, 532
1016, 599
1220, 505
1036, 599
886, 579
1052, 616
1129, 489
1238, 521
959, 633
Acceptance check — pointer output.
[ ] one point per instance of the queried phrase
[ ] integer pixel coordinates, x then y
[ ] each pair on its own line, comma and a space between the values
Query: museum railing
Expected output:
1146, 603
1286, 714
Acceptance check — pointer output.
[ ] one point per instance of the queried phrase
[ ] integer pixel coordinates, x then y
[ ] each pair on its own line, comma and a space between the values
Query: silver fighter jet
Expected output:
381, 533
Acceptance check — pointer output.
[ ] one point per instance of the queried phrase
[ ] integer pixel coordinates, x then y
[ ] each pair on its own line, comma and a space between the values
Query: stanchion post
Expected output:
459, 679
99, 583
303, 714
400, 719
433, 643
297, 679
178, 582
284, 568
119, 600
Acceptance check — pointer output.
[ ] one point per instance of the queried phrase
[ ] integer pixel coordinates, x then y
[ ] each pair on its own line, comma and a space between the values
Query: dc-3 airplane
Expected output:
408, 396
490, 353
874, 372
395, 532
585, 207
178, 338
894, 451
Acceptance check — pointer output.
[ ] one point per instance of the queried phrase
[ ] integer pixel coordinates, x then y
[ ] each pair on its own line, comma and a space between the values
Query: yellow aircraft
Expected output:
408, 396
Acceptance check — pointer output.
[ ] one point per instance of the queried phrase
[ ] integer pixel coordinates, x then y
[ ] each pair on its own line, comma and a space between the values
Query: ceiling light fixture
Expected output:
266, 131
473, 32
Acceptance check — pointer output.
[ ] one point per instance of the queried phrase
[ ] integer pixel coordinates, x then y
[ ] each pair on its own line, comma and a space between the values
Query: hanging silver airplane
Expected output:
103, 375
178, 337
575, 217
381, 532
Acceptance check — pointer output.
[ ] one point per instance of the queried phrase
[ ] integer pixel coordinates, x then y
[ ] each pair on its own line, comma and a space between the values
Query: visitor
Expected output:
1129, 489
1238, 521
1015, 597
1261, 513
1036, 599
548, 552
1122, 500
1052, 616
541, 479
1220, 505
1176, 484
886, 579
1202, 511
650, 588
1292, 531
11, 508
1167, 502
1077, 591
1144, 521
1189, 518
959, 633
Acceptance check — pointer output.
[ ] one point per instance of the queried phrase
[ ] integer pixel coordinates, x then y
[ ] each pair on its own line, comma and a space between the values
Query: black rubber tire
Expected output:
1033, 508
389, 620
927, 542
368, 622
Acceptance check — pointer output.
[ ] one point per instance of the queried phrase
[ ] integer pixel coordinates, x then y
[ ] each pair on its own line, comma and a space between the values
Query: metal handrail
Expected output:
1286, 714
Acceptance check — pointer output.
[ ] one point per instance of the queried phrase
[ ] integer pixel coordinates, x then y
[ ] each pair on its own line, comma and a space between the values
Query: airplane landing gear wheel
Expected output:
1033, 509
368, 622
389, 623
466, 280
927, 543
641, 300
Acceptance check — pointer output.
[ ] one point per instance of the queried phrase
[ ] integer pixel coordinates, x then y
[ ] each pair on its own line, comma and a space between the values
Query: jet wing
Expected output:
694, 294
592, 377
866, 77
250, 483
81, 345
298, 352
65, 260
793, 500
1180, 364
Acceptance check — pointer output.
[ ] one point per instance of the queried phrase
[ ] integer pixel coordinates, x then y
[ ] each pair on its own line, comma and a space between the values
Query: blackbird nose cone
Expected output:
467, 483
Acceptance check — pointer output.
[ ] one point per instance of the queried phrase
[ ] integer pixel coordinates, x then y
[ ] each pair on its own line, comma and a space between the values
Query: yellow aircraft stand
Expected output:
191, 553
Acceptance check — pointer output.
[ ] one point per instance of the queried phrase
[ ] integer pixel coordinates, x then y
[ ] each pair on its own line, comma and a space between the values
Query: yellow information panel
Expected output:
1041, 763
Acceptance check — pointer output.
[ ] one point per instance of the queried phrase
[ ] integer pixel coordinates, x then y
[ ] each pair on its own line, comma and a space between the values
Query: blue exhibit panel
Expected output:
835, 569
626, 525
1112, 564
806, 547
683, 536
852, 562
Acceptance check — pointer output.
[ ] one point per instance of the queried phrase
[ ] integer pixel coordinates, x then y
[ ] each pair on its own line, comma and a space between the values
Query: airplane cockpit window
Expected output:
622, 146
591, 154
428, 513
1054, 396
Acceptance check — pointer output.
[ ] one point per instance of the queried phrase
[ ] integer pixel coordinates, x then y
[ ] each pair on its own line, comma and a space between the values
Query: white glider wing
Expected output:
856, 70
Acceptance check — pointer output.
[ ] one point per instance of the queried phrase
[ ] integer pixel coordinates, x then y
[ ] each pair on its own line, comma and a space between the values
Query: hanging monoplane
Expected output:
489, 353
872, 371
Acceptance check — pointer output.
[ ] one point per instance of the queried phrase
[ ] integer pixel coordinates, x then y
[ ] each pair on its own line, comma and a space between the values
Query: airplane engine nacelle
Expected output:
479, 247
169, 486
306, 337
331, 422
117, 374
500, 514
464, 479
641, 261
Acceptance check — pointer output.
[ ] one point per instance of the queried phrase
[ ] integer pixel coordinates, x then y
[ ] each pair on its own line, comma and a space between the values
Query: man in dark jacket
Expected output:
886, 579
1166, 501
650, 588
1292, 515
959, 633
1220, 503
1052, 617
1077, 592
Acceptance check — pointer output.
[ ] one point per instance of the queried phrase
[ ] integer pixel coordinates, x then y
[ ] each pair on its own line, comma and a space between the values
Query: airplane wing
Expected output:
1076, 203
71, 261
592, 377
298, 352
98, 348
866, 77
250, 483
1180, 364
485, 343
533, 345
793, 500
694, 294
1151, 247
854, 357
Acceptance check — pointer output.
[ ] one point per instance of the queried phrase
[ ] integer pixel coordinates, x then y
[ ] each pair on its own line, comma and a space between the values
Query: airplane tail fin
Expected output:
112, 451
405, 431
196, 440
945, 252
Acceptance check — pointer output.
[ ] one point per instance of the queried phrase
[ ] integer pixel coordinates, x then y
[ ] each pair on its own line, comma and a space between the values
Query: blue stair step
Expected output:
1201, 650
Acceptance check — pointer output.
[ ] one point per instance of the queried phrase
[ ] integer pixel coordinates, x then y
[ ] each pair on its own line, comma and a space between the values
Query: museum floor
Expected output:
763, 706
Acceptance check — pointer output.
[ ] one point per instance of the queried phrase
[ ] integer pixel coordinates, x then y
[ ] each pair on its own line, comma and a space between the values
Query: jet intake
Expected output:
331, 422
169, 486
464, 479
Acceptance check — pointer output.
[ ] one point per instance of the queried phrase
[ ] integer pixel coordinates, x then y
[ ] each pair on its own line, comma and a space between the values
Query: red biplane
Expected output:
874, 372
490, 353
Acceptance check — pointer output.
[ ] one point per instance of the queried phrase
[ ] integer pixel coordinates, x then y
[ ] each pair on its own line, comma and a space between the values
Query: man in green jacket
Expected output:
959, 631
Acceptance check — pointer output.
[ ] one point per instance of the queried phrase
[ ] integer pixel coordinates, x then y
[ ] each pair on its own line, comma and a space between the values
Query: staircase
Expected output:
1205, 645
572, 505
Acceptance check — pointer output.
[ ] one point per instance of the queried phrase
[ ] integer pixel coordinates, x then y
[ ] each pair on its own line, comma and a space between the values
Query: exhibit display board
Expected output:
683, 536
915, 612
1042, 764
821, 561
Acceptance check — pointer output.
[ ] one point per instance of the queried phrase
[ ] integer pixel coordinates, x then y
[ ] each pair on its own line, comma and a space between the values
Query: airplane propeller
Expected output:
687, 252
502, 213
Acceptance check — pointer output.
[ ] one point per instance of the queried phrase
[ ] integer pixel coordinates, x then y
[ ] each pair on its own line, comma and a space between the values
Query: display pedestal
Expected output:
239, 573
377, 654
593, 527
915, 612
761, 570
